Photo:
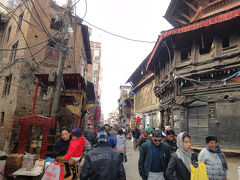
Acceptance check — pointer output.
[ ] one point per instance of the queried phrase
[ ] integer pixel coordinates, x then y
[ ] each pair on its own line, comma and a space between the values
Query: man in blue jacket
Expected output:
154, 158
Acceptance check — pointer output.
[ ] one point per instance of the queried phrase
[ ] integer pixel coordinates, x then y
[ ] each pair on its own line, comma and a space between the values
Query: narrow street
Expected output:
131, 167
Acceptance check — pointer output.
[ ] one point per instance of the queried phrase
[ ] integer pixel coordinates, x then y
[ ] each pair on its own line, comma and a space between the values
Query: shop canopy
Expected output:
71, 80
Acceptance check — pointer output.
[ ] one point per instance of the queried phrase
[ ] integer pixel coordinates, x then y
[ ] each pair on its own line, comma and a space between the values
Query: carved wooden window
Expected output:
185, 54
225, 42
205, 45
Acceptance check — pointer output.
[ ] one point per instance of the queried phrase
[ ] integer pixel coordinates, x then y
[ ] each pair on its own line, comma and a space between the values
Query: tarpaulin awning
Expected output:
74, 109
205, 23
88, 106
77, 97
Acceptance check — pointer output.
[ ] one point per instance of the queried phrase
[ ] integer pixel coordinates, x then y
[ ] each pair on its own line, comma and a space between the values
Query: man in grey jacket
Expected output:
214, 159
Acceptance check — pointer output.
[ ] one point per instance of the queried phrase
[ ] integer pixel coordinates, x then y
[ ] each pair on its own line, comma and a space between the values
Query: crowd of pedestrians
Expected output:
165, 155
99, 153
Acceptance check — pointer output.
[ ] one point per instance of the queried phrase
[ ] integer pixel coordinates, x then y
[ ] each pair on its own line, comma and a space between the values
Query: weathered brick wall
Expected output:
8, 103
20, 100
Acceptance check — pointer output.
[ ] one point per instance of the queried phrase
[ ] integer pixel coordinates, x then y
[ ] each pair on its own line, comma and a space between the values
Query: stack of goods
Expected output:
28, 161
35, 171
13, 163
48, 160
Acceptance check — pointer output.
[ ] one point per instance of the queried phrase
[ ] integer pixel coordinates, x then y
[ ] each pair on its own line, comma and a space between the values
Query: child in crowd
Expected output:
75, 151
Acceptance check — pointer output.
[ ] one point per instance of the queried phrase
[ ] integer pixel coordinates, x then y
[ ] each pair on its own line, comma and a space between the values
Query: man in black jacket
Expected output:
103, 163
169, 139
89, 134
136, 135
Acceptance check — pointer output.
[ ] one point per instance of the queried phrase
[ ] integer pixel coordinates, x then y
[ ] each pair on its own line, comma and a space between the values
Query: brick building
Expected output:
196, 67
33, 25
94, 69
94, 76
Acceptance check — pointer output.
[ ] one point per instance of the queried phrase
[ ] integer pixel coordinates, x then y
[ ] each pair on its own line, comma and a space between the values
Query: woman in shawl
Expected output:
180, 161
214, 159
62, 144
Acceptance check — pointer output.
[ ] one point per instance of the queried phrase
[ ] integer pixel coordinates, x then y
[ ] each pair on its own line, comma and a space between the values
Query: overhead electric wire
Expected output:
119, 36
21, 58
23, 19
34, 45
45, 29
41, 21
14, 84
85, 10
35, 20
45, 14
19, 30
38, 17
47, 55
75, 3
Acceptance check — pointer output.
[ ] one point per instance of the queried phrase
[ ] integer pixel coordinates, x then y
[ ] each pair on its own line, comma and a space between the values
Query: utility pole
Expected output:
62, 56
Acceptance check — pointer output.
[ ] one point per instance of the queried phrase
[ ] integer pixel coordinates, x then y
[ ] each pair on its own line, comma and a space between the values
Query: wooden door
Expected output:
198, 123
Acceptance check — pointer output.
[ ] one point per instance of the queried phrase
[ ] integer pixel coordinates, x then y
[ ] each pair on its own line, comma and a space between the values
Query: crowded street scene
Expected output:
120, 90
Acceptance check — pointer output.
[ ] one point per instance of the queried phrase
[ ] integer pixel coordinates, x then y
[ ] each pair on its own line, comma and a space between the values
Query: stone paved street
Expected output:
131, 166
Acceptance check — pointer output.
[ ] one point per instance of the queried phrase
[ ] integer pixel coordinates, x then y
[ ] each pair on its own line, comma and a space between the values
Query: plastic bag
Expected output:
199, 173
55, 171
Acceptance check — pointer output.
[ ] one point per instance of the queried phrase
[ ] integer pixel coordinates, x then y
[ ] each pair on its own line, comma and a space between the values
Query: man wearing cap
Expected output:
103, 163
154, 158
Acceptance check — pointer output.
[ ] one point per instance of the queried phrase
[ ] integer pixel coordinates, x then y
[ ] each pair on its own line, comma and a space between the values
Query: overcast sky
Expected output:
135, 19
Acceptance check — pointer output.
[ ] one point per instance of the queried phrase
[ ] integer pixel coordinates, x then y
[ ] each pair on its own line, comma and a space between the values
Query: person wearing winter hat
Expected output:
102, 137
103, 162
74, 151
214, 159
